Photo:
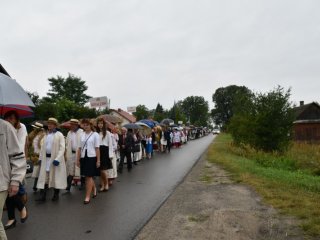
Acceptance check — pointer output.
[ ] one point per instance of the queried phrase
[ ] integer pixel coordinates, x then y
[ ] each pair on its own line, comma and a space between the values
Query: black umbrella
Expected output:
167, 122
132, 126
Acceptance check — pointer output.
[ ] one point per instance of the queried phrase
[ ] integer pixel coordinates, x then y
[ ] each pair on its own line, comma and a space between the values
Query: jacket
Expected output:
13, 163
58, 174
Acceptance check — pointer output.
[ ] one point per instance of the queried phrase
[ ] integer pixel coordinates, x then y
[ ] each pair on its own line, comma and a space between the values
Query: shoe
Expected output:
55, 195
95, 195
106, 190
120, 171
23, 220
43, 196
135, 163
86, 202
55, 198
12, 225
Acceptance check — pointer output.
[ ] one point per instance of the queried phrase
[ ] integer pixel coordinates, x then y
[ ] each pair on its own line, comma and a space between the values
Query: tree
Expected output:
176, 114
159, 113
267, 124
229, 100
71, 88
196, 109
35, 98
142, 112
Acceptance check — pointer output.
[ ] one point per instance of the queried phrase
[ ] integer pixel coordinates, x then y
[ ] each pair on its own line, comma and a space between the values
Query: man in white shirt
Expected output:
72, 141
53, 173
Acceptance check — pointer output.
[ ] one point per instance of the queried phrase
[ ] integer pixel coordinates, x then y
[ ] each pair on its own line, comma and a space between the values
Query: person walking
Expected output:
13, 165
167, 136
17, 201
126, 145
88, 158
72, 145
112, 173
106, 153
176, 138
149, 146
36, 141
53, 173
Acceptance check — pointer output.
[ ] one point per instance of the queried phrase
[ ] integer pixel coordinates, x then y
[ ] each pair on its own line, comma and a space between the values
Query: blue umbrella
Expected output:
148, 122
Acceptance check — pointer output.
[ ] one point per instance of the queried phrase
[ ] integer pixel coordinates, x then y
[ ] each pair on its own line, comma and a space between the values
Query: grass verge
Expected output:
293, 191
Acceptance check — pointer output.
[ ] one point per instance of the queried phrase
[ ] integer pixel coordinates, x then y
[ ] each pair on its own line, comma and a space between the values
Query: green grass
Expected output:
288, 182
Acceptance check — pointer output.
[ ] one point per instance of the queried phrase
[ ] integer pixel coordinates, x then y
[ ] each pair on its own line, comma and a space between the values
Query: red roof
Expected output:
126, 115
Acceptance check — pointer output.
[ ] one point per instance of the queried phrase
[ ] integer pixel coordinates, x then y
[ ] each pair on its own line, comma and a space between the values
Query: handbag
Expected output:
30, 166
136, 147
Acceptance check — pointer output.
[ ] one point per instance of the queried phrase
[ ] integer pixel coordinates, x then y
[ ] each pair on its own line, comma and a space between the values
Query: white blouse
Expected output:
22, 136
89, 142
107, 141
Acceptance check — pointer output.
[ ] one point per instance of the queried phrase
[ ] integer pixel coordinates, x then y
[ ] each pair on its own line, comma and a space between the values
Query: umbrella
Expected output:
146, 130
167, 122
148, 122
132, 126
23, 111
13, 97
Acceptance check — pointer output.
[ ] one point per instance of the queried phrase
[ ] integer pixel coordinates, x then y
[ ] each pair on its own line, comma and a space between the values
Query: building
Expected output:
125, 116
306, 126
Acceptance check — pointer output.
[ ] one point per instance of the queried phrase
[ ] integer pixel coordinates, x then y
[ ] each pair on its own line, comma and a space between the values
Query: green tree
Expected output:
176, 113
142, 112
267, 125
35, 98
196, 109
159, 113
72, 88
229, 100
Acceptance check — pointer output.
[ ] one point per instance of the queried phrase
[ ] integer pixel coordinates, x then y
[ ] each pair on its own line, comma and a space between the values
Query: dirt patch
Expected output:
208, 205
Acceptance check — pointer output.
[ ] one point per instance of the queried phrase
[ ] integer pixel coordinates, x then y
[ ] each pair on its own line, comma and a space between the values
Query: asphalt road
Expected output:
117, 214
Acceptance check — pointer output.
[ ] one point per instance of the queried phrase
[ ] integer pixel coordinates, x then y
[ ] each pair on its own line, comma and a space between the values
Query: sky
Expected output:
149, 51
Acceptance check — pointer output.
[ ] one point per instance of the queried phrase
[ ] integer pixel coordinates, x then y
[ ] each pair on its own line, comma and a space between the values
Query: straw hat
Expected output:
37, 125
53, 120
74, 121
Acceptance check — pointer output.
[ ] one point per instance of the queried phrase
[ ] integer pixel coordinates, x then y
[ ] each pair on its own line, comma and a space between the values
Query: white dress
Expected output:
112, 173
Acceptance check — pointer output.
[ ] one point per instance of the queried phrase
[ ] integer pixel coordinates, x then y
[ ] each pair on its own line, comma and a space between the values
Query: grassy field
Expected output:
289, 182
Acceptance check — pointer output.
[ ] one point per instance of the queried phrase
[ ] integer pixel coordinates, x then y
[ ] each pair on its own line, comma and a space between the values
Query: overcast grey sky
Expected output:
150, 51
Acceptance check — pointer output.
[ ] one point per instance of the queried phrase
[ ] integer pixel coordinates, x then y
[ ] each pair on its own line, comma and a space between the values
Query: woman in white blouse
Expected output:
106, 153
88, 158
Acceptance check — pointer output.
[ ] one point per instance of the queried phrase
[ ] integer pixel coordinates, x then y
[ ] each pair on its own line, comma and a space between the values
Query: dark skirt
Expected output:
88, 166
105, 161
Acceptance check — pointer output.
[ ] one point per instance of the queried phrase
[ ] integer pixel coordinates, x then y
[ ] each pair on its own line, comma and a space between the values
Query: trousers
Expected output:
3, 196
125, 154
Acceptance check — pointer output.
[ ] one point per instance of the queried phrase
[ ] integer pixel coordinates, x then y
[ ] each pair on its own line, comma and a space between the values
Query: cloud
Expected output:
145, 52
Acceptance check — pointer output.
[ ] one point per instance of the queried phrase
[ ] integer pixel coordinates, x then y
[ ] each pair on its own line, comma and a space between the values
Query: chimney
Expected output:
301, 103
119, 110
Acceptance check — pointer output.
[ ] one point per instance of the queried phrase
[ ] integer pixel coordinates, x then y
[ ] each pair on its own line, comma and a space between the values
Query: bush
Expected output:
266, 124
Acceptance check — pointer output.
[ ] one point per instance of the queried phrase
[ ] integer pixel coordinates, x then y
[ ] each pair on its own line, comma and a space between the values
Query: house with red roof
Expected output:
125, 116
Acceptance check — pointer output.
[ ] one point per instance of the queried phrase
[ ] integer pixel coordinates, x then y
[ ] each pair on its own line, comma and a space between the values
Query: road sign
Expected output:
99, 102
131, 109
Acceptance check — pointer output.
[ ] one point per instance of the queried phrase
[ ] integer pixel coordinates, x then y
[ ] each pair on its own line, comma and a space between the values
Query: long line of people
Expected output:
90, 150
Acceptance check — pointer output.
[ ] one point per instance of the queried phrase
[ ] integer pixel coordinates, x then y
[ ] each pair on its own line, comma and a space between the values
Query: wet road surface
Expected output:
117, 214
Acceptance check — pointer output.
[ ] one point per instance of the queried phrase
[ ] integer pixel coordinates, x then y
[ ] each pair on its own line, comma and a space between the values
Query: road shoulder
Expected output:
208, 205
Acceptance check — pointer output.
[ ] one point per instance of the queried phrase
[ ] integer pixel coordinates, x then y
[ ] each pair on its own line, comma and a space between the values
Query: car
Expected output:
215, 131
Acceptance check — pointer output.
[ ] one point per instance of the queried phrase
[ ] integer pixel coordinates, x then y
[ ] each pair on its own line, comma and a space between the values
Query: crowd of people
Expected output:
91, 150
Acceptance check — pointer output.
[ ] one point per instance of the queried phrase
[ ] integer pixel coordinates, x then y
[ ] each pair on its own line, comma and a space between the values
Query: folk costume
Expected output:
106, 151
72, 145
88, 160
53, 173
36, 141
112, 173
